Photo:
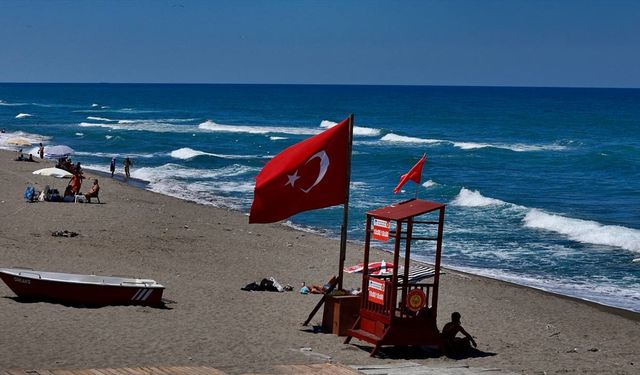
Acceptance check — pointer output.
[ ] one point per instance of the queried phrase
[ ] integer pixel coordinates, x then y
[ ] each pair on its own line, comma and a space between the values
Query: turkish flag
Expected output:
308, 175
414, 174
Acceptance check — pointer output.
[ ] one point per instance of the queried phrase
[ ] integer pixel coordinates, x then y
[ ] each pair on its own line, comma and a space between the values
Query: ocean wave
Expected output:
585, 231
602, 291
150, 126
80, 134
30, 137
277, 138
174, 171
7, 104
189, 153
578, 230
251, 129
518, 147
117, 155
473, 198
429, 184
404, 139
94, 118
23, 115
357, 130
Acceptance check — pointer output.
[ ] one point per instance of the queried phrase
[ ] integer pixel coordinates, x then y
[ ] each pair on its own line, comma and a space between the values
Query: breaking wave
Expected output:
585, 231
578, 230
186, 153
518, 147
404, 139
252, 129
23, 115
357, 130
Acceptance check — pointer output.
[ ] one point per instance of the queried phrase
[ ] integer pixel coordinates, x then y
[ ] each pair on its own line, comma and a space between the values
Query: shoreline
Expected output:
204, 255
141, 184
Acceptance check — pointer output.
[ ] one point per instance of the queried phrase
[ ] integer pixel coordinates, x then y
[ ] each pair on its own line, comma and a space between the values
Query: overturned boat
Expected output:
76, 289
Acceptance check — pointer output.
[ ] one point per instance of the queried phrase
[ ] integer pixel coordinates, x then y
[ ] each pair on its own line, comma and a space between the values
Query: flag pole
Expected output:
345, 212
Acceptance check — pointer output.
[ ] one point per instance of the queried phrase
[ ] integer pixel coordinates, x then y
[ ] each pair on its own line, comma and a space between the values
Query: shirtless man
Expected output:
456, 346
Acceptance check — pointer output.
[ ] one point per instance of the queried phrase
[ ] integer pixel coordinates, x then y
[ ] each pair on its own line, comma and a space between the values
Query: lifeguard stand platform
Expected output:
394, 309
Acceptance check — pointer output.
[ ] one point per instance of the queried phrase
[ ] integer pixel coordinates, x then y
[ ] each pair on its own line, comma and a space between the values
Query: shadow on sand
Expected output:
162, 306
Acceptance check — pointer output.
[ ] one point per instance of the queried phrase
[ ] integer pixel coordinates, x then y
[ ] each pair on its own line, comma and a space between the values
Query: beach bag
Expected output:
29, 193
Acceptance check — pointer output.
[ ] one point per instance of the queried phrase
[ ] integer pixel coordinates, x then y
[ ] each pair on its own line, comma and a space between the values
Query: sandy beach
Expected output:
204, 255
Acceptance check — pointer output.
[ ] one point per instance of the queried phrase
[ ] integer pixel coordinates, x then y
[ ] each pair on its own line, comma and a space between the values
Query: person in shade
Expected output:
456, 346
41, 151
127, 165
112, 166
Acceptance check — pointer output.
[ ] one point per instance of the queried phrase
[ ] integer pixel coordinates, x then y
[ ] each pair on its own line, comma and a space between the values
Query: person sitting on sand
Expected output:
93, 192
456, 346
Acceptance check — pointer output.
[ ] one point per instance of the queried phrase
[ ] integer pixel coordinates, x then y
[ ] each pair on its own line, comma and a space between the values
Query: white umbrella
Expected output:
56, 152
53, 172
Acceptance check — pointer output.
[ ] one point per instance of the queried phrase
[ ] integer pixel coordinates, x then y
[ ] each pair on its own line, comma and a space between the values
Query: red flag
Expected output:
308, 175
414, 174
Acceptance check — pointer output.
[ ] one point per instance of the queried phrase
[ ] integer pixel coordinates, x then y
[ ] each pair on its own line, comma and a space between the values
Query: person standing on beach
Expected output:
112, 167
127, 164
41, 151
456, 346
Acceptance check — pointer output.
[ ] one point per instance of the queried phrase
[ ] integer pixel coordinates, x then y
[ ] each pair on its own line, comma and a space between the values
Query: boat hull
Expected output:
30, 285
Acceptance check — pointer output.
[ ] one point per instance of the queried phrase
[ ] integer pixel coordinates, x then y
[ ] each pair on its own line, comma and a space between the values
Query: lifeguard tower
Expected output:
397, 309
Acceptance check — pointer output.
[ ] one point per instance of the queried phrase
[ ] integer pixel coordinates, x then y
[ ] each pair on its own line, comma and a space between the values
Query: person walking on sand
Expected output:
41, 151
456, 346
112, 167
127, 165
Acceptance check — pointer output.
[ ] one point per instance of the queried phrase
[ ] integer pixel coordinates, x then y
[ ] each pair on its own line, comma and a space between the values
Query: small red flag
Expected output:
414, 174
308, 175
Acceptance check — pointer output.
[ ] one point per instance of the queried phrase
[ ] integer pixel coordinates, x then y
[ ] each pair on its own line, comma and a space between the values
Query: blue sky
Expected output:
473, 42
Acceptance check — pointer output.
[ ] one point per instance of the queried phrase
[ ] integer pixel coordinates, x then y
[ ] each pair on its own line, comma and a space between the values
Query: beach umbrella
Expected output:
53, 172
56, 152
19, 142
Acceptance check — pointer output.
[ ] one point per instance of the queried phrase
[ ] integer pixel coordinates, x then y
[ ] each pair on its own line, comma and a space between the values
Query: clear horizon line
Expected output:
315, 84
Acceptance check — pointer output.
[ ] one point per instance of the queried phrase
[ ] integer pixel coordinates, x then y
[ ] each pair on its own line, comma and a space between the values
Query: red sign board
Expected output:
376, 291
416, 299
381, 229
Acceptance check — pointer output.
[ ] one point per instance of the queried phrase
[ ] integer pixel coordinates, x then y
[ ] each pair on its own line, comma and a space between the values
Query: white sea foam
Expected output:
585, 231
518, 147
603, 291
429, 184
31, 138
93, 118
175, 171
108, 136
23, 115
251, 129
94, 105
277, 138
79, 134
404, 139
189, 153
7, 104
111, 155
357, 130
147, 125
473, 198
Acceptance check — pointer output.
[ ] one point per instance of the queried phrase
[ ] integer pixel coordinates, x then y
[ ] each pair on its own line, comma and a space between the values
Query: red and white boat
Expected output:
78, 289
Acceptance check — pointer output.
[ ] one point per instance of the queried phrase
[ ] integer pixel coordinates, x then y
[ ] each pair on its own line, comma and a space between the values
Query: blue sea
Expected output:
542, 185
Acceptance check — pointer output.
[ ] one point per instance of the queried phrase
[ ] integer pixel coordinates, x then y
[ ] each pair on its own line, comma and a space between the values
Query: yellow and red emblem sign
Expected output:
416, 299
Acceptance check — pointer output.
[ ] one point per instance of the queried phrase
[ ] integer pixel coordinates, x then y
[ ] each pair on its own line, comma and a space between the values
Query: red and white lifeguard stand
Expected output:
394, 310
